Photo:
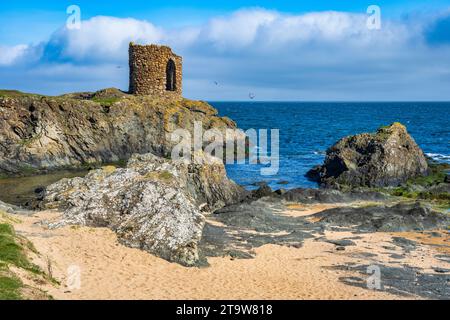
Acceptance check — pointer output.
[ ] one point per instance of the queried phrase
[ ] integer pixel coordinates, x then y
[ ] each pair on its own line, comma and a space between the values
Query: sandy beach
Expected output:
110, 270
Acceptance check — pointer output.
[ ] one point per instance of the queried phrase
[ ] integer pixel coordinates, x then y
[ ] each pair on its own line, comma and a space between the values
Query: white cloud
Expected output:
313, 56
101, 39
10, 55
106, 38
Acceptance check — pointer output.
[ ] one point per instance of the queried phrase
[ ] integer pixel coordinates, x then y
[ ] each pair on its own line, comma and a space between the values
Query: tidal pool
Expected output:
19, 191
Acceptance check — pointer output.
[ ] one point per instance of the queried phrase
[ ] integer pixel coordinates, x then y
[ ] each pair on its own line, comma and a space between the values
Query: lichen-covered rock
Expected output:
40, 133
153, 204
388, 157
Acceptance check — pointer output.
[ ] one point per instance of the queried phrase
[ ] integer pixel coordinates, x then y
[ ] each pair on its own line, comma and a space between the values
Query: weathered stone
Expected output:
331, 196
263, 191
153, 204
388, 157
40, 133
400, 217
156, 71
9, 208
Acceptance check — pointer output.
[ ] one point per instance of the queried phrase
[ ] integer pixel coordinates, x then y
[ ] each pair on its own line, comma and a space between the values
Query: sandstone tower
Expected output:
155, 70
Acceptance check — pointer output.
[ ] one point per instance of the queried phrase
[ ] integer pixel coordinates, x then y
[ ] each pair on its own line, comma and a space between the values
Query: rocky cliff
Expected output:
388, 157
39, 133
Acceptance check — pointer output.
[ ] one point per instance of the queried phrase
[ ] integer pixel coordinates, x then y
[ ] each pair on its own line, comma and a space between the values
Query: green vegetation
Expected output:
10, 287
13, 250
164, 176
120, 163
385, 132
106, 102
417, 188
28, 170
17, 94
426, 195
436, 176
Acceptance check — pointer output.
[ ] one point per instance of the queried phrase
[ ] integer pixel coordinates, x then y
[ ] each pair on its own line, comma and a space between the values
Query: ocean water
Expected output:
308, 129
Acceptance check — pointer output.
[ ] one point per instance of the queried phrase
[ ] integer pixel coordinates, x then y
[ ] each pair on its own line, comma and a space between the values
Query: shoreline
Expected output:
110, 270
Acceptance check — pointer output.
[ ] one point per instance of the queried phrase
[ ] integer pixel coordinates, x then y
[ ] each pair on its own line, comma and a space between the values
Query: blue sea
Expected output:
308, 129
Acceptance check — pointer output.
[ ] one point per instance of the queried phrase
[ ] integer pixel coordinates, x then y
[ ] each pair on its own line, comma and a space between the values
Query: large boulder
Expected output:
41, 133
388, 157
153, 204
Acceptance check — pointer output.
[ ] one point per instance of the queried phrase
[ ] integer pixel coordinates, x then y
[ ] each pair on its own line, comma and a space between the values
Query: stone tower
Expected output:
155, 70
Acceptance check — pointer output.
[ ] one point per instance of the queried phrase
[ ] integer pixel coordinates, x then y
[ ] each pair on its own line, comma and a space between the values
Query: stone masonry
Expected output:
156, 71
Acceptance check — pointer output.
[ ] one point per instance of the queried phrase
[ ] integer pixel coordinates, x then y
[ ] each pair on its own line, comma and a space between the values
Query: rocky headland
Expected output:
380, 201
42, 133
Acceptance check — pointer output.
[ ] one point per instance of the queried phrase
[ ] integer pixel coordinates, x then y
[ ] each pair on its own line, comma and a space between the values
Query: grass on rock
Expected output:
106, 102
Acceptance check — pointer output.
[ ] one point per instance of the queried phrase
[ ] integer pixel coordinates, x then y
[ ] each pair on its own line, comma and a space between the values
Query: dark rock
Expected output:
261, 216
400, 217
434, 234
440, 270
447, 178
388, 157
280, 192
283, 182
397, 256
443, 257
406, 244
360, 255
39, 190
404, 281
314, 174
331, 196
263, 191
341, 242
340, 248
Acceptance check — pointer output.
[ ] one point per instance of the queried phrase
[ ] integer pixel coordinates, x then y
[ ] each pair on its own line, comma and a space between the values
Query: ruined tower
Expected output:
155, 70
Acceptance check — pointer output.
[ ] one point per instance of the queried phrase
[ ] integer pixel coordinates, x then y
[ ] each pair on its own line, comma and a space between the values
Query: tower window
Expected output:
170, 76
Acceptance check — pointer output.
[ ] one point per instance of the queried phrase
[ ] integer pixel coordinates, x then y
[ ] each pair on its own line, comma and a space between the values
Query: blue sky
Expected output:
278, 50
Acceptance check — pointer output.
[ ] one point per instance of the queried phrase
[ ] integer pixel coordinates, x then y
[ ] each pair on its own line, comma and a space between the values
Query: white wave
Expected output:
439, 157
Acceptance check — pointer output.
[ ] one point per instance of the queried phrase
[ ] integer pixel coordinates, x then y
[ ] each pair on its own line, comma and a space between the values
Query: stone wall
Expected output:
148, 65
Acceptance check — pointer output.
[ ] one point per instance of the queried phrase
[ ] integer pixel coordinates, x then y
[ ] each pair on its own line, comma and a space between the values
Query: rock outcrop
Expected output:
9, 208
153, 204
398, 218
41, 133
388, 157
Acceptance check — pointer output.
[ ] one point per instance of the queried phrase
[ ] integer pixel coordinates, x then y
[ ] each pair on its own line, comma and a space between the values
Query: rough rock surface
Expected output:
148, 71
8, 208
38, 133
388, 157
397, 218
331, 196
153, 204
